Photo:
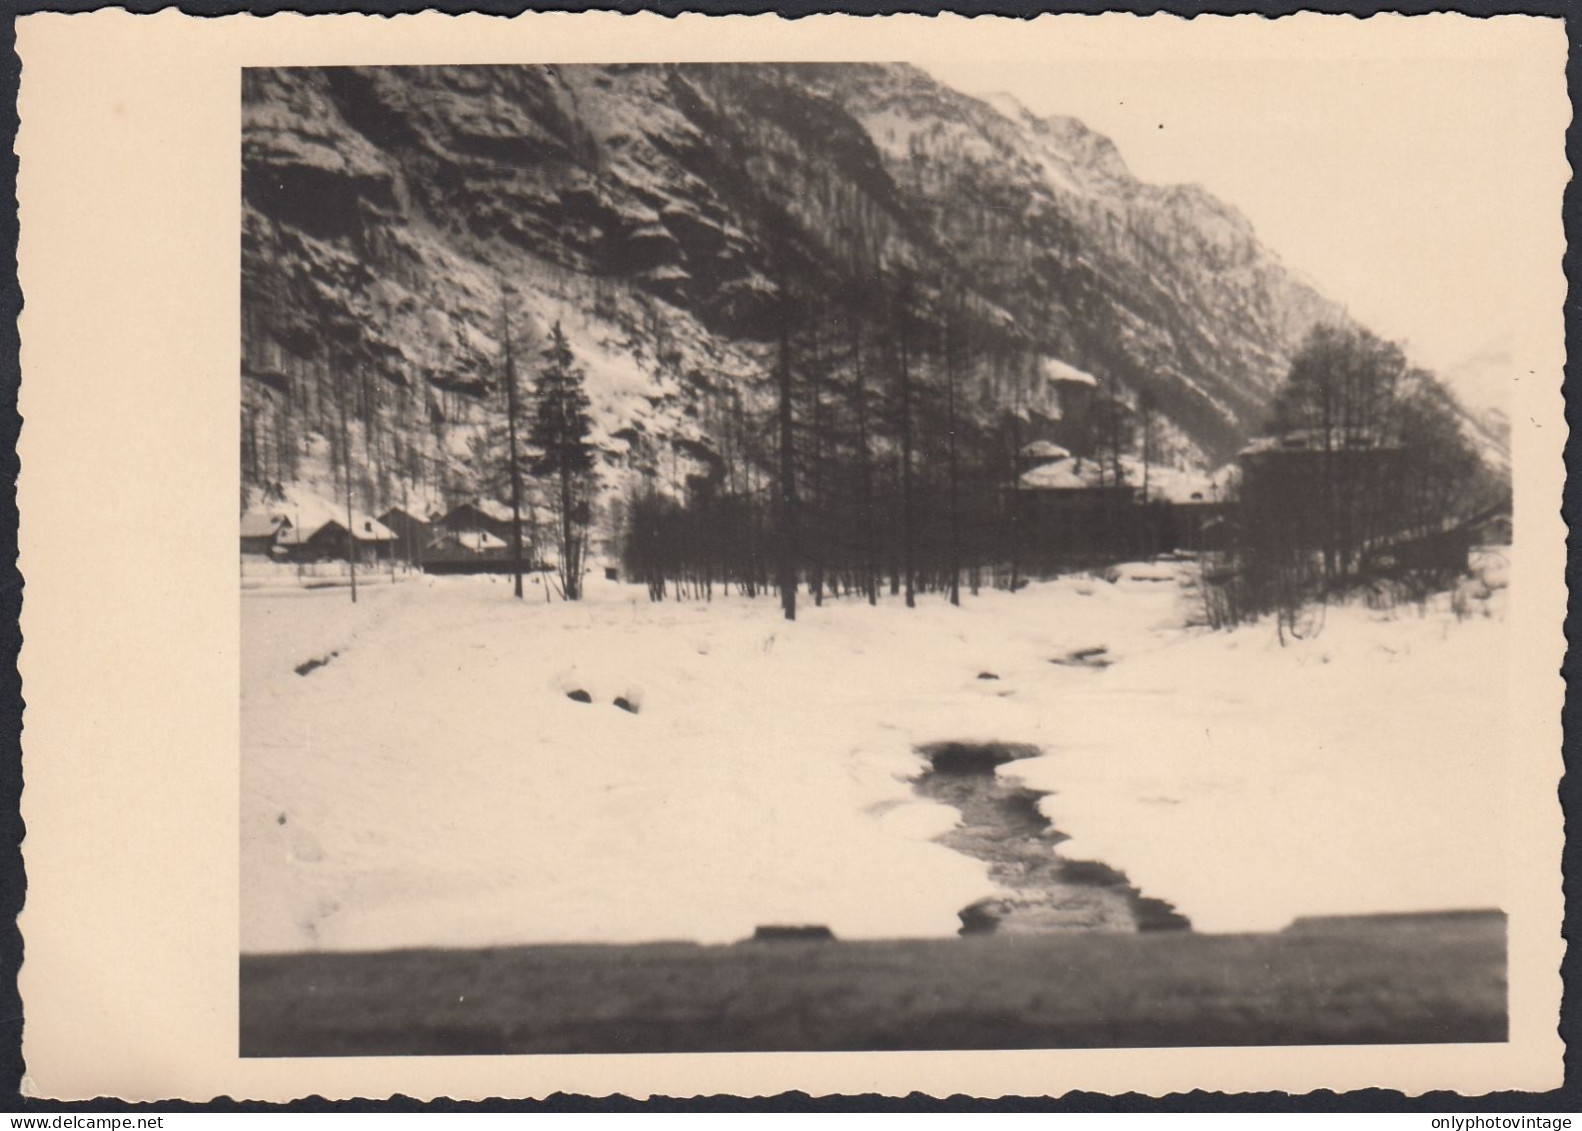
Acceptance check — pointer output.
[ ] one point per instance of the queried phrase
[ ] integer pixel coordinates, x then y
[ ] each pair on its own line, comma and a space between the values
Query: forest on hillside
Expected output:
796, 326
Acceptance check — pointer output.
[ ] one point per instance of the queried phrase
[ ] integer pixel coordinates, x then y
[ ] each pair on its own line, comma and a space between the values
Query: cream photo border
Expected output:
130, 187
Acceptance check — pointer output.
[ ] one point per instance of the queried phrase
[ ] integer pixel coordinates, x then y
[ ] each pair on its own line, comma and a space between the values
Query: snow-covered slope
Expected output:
434, 784
644, 206
1484, 383
1164, 288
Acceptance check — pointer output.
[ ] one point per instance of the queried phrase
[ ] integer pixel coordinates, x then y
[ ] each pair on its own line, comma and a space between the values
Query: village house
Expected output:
1189, 509
470, 542
485, 515
370, 541
475, 537
261, 533
1073, 509
1038, 454
412, 534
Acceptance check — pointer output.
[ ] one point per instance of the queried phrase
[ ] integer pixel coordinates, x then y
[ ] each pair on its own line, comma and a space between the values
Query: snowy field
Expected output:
433, 784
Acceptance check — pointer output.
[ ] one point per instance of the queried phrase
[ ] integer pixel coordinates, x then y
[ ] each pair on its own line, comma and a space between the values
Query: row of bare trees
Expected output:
876, 455
1367, 477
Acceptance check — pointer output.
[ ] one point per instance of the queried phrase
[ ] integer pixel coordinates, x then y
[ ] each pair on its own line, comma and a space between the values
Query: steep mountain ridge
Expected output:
1159, 286
657, 211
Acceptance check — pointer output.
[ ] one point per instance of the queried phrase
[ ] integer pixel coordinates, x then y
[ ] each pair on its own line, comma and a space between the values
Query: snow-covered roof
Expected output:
491, 509
1165, 483
1044, 449
1069, 474
306, 514
263, 524
372, 530
478, 541
1311, 439
1053, 369
365, 528
401, 514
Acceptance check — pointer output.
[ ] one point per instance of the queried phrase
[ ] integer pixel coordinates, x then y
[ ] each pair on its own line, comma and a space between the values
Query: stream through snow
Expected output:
1001, 824
433, 780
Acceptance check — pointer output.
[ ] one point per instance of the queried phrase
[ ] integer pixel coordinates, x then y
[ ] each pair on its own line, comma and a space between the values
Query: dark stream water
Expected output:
1002, 826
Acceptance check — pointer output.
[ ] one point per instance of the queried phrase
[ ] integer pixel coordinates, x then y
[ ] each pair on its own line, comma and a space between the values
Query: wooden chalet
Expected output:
479, 515
412, 534
1074, 511
369, 540
475, 537
262, 532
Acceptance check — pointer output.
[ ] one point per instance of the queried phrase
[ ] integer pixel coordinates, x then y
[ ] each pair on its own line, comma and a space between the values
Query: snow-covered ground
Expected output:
433, 784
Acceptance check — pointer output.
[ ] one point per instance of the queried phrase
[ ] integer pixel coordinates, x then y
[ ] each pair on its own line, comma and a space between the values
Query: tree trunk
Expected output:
870, 565
785, 566
954, 564
1013, 517
816, 487
511, 410
569, 567
907, 565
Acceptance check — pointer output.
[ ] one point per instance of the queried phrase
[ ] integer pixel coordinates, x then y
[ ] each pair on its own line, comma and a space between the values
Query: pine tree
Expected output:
560, 433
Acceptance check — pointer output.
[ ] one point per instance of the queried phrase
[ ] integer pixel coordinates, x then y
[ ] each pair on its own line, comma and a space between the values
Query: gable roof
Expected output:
1044, 449
488, 508
396, 514
364, 529
492, 509
263, 524
475, 540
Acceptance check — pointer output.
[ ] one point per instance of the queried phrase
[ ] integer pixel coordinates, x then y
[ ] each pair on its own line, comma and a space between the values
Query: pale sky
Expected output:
1405, 189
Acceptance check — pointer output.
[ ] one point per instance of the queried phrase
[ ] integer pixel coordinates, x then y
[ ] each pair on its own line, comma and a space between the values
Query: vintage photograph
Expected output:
872, 556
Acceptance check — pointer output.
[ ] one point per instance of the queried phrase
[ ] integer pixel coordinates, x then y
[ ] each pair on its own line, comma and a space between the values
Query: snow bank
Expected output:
1250, 783
435, 785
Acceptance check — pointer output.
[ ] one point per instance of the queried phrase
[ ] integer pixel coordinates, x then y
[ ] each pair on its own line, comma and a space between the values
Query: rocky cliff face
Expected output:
658, 211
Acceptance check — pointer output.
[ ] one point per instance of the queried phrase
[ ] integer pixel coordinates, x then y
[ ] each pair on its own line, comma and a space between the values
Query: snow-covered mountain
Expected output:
655, 210
1484, 383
